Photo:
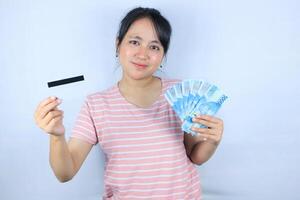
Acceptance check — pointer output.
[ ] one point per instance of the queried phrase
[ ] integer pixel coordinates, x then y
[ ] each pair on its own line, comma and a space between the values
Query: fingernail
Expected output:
59, 100
53, 98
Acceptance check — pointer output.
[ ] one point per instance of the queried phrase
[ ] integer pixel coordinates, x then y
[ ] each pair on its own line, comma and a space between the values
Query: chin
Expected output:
139, 76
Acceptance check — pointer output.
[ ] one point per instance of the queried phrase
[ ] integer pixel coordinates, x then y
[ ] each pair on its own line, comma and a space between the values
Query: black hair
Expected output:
161, 25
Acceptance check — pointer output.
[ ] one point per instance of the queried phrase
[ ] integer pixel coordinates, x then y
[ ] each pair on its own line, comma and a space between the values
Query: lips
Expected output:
140, 65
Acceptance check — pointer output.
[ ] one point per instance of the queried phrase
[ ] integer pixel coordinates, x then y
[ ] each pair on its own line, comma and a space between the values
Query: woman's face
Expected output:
140, 52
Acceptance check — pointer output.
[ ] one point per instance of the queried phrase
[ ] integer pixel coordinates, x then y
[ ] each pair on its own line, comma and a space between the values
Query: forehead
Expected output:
143, 28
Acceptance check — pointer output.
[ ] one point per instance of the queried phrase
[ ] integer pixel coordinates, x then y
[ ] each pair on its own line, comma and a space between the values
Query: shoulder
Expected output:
102, 96
169, 82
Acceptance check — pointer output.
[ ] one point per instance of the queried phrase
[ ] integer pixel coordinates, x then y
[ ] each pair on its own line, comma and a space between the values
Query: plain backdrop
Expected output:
249, 48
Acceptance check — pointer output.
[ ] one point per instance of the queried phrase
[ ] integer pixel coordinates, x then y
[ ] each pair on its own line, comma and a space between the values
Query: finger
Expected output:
46, 102
208, 137
203, 136
51, 106
54, 121
41, 105
201, 130
51, 115
209, 118
205, 123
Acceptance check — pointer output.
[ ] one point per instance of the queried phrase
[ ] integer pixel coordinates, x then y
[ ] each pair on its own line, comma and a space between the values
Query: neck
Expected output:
127, 83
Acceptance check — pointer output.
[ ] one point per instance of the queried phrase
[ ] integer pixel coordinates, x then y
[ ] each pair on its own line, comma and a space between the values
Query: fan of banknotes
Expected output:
193, 97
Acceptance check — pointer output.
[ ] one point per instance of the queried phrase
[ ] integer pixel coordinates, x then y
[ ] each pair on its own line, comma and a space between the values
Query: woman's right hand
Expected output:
49, 118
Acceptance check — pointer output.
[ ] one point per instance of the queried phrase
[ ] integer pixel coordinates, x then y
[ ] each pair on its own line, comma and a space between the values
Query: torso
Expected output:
144, 150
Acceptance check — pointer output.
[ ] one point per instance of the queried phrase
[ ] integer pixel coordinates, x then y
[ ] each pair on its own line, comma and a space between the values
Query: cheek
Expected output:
125, 54
129, 52
157, 58
125, 50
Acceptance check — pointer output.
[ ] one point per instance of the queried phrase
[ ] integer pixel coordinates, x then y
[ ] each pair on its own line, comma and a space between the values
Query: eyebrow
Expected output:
139, 38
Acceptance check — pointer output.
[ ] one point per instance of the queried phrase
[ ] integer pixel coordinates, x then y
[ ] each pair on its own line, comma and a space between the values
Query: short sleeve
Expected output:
84, 127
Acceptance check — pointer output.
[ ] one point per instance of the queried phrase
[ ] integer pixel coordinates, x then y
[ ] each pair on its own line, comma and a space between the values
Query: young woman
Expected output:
147, 154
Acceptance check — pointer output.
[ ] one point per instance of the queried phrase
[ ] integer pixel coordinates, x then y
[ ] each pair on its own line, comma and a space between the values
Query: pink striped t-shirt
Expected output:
145, 153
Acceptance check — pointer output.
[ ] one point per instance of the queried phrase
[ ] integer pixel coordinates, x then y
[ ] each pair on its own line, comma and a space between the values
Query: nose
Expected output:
142, 52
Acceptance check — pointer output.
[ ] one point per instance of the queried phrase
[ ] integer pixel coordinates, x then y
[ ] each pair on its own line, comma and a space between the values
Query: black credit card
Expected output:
65, 81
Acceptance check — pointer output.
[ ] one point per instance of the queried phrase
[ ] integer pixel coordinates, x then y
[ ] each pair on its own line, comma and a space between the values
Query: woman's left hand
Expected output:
214, 131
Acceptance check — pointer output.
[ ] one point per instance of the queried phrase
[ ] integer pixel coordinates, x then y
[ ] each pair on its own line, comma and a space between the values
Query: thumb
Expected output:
56, 108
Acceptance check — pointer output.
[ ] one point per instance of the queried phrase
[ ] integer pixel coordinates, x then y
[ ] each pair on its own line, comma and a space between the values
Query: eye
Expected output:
134, 42
154, 47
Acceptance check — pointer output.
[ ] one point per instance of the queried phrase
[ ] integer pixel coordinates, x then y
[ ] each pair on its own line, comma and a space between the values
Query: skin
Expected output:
201, 147
140, 54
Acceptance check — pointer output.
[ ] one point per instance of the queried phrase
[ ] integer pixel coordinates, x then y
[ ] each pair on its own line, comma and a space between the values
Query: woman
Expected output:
148, 155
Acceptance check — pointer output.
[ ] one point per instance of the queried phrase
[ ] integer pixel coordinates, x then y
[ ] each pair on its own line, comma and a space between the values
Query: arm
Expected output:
201, 147
65, 158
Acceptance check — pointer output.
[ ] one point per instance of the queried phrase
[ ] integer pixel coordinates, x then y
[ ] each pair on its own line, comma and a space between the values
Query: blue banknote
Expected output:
193, 97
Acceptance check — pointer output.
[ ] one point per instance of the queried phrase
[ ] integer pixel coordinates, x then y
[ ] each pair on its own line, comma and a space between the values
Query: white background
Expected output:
249, 48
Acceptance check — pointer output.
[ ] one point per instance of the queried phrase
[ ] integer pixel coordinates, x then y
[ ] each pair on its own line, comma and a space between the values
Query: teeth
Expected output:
193, 97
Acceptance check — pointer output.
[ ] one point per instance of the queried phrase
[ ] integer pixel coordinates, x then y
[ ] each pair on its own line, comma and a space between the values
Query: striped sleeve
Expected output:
84, 127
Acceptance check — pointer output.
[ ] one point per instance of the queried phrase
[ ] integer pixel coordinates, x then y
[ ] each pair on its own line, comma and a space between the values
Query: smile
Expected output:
139, 65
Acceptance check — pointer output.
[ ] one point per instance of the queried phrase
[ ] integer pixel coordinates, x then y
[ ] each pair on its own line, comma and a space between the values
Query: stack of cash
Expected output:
194, 97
